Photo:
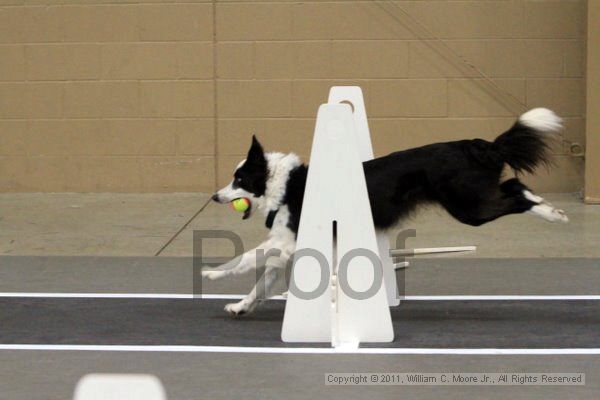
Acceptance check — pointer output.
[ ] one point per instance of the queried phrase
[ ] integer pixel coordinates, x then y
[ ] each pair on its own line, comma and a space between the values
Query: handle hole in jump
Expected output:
349, 103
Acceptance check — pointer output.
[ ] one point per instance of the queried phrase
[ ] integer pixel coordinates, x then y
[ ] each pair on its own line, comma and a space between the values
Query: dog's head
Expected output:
261, 178
249, 179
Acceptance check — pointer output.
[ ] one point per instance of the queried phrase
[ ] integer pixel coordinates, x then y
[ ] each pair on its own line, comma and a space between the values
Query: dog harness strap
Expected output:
271, 218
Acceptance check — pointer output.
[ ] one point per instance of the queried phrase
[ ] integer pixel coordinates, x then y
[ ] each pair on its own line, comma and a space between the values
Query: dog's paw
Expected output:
213, 275
237, 309
555, 214
548, 212
560, 216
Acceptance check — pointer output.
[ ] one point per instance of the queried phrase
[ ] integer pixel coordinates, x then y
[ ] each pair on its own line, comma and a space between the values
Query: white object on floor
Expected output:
430, 250
400, 265
119, 387
336, 198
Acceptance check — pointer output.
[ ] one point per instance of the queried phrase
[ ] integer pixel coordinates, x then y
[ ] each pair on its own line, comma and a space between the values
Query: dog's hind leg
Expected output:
478, 208
261, 291
548, 212
540, 207
510, 197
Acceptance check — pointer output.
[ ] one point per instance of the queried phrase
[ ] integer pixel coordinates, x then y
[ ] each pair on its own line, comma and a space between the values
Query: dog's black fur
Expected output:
462, 176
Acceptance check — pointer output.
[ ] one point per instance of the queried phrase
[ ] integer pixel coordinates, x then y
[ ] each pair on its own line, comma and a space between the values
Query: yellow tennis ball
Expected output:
241, 204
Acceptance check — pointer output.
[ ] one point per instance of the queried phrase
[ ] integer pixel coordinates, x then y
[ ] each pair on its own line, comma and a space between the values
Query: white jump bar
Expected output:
430, 250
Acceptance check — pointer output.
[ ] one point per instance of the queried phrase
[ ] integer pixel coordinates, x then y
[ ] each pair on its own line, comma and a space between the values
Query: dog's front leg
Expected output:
261, 290
239, 265
274, 272
223, 269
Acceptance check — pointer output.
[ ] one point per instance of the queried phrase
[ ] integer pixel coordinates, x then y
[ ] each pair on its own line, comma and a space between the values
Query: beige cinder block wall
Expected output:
163, 96
106, 97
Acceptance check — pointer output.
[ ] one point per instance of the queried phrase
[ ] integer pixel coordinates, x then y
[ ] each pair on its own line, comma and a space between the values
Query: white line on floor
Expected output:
298, 350
127, 295
112, 295
503, 297
241, 296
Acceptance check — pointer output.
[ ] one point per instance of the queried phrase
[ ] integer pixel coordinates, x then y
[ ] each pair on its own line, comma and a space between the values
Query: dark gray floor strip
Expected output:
427, 324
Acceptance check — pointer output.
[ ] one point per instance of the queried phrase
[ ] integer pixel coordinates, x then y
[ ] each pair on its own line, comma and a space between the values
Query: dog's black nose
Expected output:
215, 197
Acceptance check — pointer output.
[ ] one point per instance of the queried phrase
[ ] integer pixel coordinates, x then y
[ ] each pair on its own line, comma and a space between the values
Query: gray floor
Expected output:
30, 374
140, 224
110, 240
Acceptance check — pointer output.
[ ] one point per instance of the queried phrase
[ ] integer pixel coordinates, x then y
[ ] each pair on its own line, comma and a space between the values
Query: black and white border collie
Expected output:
464, 177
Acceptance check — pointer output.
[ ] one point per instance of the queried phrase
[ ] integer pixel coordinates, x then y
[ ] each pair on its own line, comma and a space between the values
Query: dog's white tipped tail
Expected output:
541, 119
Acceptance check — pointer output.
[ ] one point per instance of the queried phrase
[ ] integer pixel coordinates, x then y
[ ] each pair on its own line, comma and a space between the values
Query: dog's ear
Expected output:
256, 154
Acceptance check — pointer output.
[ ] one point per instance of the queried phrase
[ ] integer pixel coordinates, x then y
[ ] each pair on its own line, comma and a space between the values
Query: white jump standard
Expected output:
336, 221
